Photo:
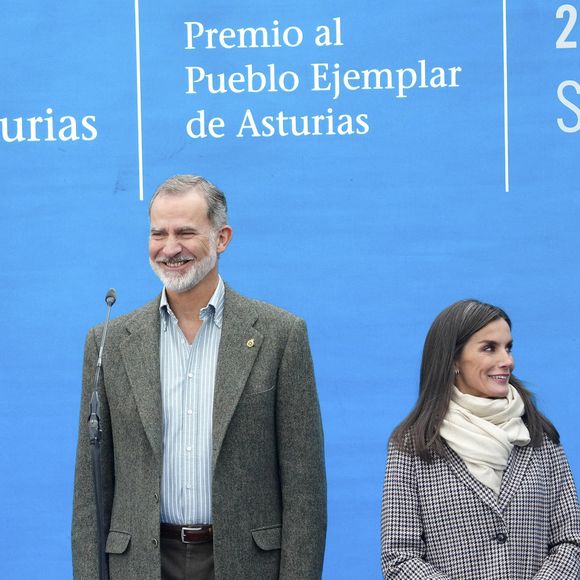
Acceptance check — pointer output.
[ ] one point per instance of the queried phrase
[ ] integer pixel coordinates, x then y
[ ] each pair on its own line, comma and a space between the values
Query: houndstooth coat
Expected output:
440, 523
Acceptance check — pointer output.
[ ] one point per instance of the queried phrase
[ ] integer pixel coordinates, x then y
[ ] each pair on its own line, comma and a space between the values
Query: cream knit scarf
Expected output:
483, 432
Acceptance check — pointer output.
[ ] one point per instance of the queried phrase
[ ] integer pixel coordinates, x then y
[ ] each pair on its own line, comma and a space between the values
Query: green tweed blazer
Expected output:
269, 485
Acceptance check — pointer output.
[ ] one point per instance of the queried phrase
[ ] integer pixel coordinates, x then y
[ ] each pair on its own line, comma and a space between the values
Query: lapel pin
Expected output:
250, 343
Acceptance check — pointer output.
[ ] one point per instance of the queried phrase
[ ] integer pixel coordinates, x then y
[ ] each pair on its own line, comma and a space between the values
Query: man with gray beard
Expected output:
212, 450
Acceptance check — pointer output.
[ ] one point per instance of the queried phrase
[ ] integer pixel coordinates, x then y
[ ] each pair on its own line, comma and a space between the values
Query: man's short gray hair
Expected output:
217, 207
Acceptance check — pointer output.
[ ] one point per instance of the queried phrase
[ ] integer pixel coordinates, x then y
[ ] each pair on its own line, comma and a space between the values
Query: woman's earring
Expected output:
456, 371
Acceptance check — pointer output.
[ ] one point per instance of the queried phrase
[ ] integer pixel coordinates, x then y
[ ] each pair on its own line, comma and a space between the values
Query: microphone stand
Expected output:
95, 435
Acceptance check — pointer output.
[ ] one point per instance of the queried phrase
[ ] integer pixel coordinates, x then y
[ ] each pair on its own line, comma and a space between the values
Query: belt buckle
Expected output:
183, 530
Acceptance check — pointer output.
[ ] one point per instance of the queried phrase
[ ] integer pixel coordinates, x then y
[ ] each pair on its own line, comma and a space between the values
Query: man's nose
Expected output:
172, 247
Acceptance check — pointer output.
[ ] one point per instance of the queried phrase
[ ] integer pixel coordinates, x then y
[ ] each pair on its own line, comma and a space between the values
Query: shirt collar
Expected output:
215, 305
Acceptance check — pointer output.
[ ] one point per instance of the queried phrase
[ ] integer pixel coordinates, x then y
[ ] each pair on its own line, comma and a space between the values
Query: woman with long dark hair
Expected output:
477, 485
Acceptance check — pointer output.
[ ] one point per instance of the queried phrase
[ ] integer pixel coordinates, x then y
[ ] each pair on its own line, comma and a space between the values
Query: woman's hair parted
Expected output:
450, 331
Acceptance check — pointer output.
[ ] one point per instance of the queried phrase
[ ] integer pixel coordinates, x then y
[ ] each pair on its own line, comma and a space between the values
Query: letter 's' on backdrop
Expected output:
381, 160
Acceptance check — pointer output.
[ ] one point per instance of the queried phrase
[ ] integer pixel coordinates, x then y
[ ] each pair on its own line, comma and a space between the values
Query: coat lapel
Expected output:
239, 346
140, 352
482, 491
514, 474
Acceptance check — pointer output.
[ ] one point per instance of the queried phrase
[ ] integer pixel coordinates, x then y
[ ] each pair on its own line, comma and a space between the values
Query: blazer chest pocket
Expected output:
117, 542
255, 390
269, 538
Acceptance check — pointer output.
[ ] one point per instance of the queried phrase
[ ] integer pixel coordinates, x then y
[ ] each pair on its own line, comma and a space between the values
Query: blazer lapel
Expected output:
239, 346
482, 491
514, 474
140, 352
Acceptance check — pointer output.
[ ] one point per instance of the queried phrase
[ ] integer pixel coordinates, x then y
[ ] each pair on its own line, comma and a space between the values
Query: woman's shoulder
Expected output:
404, 449
549, 445
551, 453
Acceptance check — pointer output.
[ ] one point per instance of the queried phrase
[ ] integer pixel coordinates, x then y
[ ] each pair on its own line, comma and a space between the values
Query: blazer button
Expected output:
154, 542
501, 538
156, 497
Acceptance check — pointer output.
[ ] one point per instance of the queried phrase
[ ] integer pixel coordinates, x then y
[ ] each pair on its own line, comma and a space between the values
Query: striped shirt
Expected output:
187, 388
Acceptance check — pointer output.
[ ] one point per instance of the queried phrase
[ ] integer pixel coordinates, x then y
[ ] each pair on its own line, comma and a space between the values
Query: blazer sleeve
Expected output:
84, 531
402, 544
563, 559
301, 461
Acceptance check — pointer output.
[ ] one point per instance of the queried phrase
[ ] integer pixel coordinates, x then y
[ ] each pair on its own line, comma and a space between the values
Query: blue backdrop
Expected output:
406, 195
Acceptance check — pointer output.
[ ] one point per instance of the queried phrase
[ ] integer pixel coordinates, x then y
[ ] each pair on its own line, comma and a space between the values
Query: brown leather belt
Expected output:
194, 534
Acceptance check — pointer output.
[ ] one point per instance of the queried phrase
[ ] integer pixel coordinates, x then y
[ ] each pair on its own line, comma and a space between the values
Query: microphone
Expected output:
95, 434
111, 297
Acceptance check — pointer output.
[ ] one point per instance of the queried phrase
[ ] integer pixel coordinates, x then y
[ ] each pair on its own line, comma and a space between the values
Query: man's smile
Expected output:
174, 263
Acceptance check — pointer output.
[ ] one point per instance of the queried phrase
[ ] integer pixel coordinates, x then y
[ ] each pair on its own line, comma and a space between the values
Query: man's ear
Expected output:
223, 238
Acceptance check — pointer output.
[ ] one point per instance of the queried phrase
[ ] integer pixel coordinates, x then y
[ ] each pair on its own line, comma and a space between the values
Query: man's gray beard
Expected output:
182, 282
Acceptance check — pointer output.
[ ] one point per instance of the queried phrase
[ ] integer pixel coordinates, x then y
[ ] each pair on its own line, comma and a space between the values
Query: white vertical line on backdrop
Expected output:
505, 100
139, 130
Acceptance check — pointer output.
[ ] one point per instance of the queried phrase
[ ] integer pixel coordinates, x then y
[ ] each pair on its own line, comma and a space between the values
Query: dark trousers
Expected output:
181, 561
